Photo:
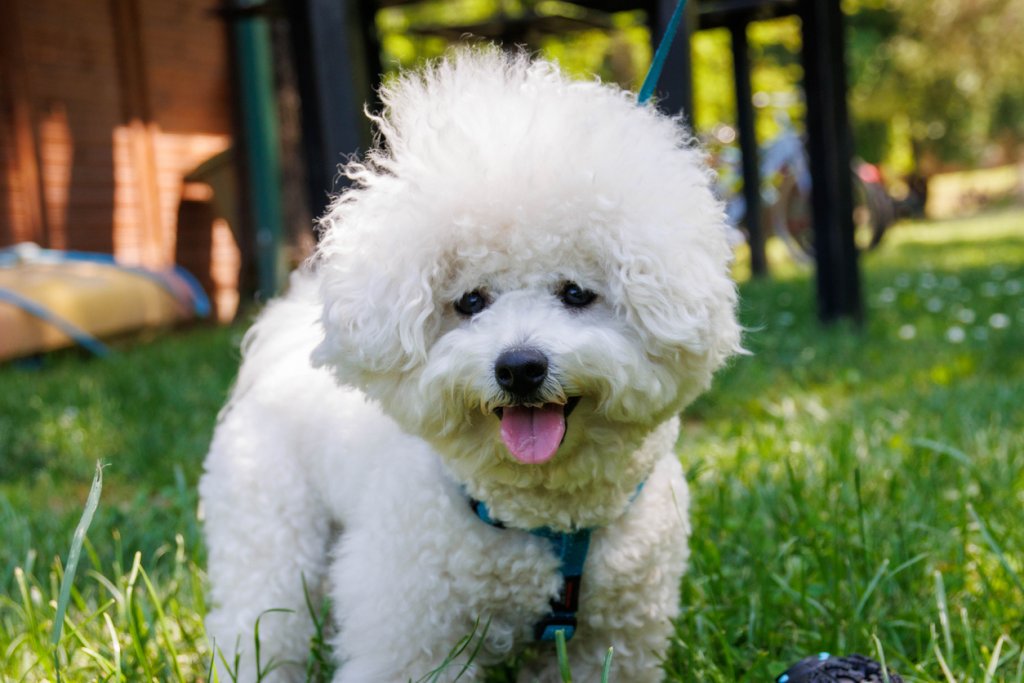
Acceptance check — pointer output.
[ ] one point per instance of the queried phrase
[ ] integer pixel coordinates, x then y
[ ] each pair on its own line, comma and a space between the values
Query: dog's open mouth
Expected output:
533, 434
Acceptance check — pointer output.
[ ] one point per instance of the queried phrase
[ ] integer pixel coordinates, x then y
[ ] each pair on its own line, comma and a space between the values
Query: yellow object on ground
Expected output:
49, 300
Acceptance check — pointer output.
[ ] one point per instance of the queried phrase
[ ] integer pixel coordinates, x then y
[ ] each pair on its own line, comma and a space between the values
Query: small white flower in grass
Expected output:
887, 295
907, 332
955, 334
1012, 287
966, 316
998, 271
928, 281
950, 282
990, 290
785, 319
999, 321
902, 281
934, 304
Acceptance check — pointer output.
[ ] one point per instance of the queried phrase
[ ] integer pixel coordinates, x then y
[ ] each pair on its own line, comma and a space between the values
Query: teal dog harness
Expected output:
571, 549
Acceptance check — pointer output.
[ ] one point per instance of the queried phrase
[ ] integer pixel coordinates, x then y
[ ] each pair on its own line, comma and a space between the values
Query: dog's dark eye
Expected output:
471, 303
574, 296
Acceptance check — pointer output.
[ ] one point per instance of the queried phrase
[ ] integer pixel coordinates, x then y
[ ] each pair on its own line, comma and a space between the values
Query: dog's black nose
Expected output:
521, 372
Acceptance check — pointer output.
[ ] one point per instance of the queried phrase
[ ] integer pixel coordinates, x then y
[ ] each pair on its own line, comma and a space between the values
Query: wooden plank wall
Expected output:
105, 106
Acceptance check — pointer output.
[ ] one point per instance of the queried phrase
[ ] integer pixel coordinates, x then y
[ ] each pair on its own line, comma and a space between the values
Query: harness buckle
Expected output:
546, 628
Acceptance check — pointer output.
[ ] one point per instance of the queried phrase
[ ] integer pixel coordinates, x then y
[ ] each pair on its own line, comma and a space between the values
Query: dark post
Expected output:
748, 146
828, 131
675, 93
251, 41
336, 58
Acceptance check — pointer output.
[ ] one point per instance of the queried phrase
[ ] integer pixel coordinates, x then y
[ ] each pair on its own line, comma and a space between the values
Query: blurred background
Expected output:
208, 136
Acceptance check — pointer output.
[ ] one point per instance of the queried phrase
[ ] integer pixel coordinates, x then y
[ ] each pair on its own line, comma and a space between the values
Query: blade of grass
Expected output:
993, 662
971, 644
135, 618
115, 645
28, 606
870, 589
945, 667
861, 521
563, 657
994, 546
453, 654
64, 597
272, 664
91, 503
606, 669
476, 650
945, 449
101, 662
940, 599
211, 670
881, 658
161, 622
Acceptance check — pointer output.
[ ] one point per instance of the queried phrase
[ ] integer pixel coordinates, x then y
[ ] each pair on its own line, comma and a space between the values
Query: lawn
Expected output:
855, 490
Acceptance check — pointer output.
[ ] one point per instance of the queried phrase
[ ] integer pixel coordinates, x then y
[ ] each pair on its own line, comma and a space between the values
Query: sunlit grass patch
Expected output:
841, 475
956, 192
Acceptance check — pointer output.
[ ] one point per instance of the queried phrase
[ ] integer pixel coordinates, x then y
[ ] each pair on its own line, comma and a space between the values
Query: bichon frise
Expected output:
462, 417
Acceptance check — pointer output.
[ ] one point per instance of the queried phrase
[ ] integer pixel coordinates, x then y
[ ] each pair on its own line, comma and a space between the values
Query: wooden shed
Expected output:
105, 109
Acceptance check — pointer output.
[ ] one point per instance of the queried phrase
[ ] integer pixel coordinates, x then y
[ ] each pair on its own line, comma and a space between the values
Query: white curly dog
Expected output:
462, 418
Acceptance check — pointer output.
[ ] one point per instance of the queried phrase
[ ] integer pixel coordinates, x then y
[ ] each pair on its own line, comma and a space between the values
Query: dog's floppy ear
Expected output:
378, 306
680, 295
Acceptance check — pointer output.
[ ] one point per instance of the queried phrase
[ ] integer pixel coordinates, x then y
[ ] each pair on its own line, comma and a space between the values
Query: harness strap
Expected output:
571, 549
660, 55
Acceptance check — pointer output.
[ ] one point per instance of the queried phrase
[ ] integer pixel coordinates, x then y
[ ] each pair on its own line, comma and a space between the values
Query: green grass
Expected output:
855, 490
147, 413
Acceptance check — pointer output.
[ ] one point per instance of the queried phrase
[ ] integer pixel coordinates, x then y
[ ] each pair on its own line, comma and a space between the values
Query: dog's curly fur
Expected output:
364, 415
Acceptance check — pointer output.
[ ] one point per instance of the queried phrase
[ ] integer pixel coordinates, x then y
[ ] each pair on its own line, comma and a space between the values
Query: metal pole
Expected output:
262, 143
337, 61
748, 146
828, 131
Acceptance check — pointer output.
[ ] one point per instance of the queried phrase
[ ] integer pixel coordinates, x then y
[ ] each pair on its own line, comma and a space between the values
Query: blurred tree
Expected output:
617, 53
932, 82
944, 73
776, 76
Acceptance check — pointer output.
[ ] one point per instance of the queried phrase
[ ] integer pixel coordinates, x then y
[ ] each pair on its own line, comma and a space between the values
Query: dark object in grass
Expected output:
824, 668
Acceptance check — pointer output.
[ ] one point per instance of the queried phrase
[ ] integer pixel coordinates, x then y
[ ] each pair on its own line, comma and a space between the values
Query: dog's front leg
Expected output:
397, 592
267, 535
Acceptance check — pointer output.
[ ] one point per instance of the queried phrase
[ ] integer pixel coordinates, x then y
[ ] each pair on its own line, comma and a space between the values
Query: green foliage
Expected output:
930, 82
947, 71
853, 490
714, 98
618, 53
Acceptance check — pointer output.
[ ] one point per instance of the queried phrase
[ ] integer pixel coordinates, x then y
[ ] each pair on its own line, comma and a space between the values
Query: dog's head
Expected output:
527, 267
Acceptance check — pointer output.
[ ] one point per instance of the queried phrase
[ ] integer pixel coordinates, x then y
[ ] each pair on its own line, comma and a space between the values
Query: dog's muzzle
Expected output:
532, 425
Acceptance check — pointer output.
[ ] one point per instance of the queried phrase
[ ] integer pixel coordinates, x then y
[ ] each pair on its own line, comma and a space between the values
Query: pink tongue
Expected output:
532, 435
